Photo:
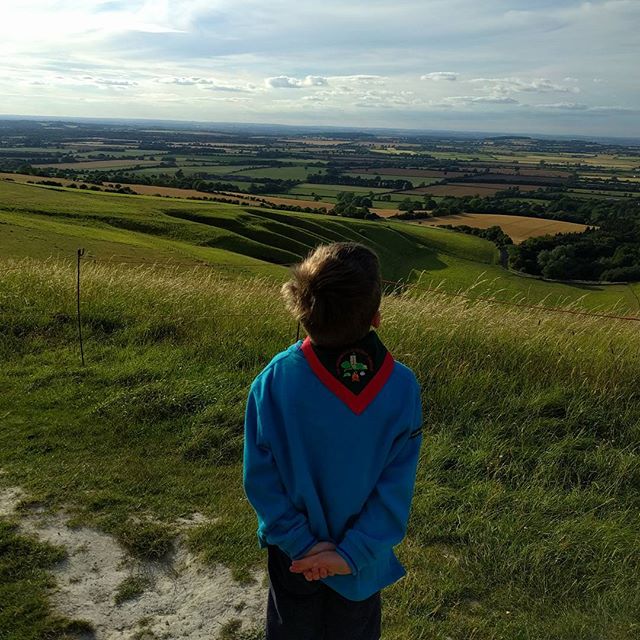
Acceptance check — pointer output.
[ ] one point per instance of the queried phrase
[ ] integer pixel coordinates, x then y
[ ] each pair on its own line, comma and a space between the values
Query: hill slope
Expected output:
41, 221
526, 519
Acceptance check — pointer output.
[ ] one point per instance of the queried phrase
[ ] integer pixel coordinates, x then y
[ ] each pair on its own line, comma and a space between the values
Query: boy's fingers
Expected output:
303, 564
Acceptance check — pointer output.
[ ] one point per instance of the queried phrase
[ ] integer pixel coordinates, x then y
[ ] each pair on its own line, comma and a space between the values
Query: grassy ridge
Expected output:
38, 221
525, 521
216, 232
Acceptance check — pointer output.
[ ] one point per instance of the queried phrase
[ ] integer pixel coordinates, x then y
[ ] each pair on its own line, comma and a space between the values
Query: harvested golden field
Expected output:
518, 228
24, 178
469, 189
287, 201
386, 213
100, 164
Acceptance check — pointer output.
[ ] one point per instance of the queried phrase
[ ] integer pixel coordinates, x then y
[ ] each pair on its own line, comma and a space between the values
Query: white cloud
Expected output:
187, 58
360, 78
514, 84
472, 100
113, 83
450, 76
211, 84
287, 82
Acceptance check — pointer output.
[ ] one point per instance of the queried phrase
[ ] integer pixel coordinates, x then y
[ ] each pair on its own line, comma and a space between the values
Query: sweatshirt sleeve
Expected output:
382, 522
279, 522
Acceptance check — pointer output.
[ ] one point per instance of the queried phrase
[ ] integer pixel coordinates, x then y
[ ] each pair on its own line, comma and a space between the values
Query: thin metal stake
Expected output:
80, 254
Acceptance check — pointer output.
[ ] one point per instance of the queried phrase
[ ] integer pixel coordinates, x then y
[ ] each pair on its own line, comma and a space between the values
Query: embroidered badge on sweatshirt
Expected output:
355, 374
356, 365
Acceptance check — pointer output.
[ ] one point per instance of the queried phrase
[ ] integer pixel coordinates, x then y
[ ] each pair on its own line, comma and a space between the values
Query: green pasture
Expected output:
40, 221
195, 230
608, 193
120, 153
525, 519
219, 158
462, 155
414, 180
33, 150
595, 160
189, 170
332, 189
284, 173
84, 166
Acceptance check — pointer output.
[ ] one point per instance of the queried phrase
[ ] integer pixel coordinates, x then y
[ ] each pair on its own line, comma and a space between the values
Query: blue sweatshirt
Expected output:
321, 463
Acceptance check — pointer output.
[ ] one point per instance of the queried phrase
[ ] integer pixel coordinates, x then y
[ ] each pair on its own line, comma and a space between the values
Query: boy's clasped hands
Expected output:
320, 561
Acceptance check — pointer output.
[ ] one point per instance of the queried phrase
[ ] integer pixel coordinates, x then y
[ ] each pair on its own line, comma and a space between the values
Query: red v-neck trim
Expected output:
357, 403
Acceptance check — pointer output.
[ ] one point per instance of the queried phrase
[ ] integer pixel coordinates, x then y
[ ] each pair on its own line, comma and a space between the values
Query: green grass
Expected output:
332, 189
40, 222
212, 232
413, 179
284, 173
525, 521
130, 588
25, 613
188, 170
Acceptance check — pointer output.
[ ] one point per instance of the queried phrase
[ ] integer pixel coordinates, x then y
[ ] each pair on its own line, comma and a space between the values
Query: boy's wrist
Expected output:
311, 543
347, 558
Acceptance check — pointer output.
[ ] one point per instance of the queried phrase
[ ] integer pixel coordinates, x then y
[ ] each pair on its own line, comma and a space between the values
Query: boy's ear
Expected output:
375, 322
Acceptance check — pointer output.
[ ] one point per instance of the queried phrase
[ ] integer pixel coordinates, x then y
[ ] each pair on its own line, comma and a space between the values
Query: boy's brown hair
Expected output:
335, 292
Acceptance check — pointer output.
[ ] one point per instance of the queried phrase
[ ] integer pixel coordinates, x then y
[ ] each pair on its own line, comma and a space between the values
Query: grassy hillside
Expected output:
526, 516
37, 221
210, 232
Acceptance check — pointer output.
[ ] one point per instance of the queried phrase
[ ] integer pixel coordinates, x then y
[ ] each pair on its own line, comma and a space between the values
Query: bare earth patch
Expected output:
183, 598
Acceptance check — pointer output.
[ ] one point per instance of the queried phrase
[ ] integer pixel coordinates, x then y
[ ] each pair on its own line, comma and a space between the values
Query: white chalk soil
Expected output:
182, 597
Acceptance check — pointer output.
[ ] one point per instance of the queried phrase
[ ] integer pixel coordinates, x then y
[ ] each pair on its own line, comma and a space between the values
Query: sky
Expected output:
545, 66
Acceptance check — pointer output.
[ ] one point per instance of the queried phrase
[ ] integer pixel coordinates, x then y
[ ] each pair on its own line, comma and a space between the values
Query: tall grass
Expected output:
526, 517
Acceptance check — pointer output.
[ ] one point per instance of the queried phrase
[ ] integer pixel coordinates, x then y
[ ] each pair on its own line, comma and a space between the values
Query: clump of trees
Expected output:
358, 181
351, 205
610, 253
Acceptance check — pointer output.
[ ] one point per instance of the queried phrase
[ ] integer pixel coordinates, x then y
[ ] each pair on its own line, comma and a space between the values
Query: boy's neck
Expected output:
344, 346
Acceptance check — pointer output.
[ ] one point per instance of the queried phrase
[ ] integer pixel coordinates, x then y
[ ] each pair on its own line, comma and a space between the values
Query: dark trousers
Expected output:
298, 609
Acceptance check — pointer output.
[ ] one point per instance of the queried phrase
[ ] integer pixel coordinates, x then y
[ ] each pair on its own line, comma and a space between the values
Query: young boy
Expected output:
332, 438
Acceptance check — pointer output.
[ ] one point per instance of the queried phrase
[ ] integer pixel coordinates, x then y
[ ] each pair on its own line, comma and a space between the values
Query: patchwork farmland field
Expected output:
363, 177
518, 228
469, 189
100, 164
531, 512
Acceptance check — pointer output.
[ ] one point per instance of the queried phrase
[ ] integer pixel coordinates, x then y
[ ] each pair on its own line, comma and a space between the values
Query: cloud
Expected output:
113, 83
514, 84
189, 57
211, 84
578, 106
473, 100
183, 81
613, 109
286, 82
360, 78
450, 76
